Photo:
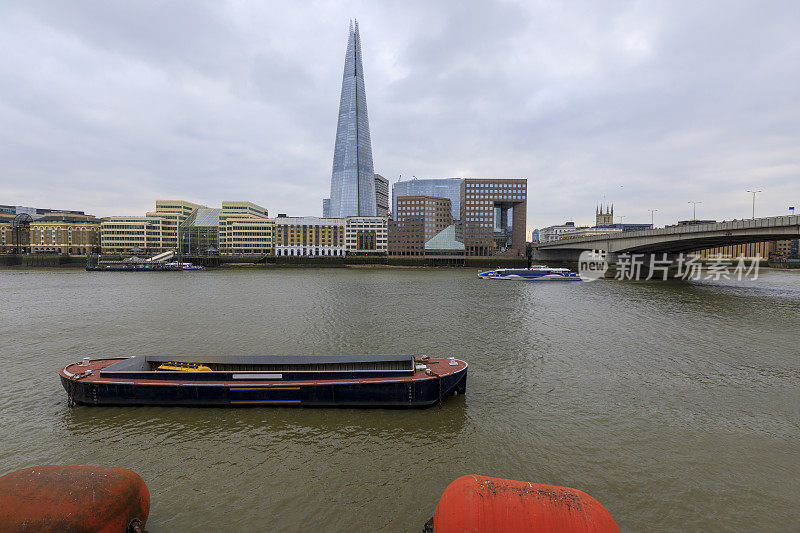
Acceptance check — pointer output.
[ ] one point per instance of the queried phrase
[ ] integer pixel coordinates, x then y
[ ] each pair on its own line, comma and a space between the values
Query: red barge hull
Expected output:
95, 382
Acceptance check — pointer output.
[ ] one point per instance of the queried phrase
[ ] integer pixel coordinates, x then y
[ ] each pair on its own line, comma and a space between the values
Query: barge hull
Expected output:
417, 392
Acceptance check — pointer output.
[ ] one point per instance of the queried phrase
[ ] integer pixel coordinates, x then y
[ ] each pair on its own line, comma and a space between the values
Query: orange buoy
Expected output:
73, 498
486, 504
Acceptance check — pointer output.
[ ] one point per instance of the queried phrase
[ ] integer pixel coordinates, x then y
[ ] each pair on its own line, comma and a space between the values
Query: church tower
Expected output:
602, 218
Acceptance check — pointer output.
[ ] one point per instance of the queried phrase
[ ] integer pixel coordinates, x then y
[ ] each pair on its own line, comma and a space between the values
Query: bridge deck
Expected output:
685, 238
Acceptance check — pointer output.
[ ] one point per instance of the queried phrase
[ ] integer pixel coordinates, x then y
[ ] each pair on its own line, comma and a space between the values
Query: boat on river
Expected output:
187, 266
266, 380
534, 273
132, 264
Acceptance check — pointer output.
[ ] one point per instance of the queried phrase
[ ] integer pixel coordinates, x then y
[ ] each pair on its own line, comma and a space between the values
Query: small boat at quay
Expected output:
265, 380
132, 266
534, 273
140, 265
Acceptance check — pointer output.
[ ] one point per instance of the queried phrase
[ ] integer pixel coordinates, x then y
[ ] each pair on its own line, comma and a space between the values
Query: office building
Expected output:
309, 236
131, 235
326, 208
172, 214
493, 215
353, 177
245, 229
449, 188
366, 235
238, 228
199, 233
151, 234
381, 196
416, 220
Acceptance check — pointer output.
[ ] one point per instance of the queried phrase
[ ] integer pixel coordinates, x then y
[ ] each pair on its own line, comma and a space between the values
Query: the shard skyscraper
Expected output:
353, 177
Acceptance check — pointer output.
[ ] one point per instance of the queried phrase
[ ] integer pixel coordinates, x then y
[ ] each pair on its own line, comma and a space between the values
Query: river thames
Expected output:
675, 404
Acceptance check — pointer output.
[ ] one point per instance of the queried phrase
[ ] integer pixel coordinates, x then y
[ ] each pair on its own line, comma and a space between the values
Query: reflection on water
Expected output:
675, 404
260, 424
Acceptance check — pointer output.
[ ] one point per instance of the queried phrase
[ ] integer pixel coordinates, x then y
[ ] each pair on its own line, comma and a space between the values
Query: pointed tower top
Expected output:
353, 176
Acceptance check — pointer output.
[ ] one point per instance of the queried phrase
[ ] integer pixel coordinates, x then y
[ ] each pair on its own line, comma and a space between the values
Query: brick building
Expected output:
417, 219
493, 215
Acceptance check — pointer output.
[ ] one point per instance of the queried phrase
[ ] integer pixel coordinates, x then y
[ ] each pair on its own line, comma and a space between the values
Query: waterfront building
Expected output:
151, 234
449, 188
417, 219
366, 235
447, 246
788, 249
748, 250
245, 229
381, 196
353, 177
309, 236
51, 232
131, 235
15, 232
199, 233
535, 235
172, 214
493, 215
239, 228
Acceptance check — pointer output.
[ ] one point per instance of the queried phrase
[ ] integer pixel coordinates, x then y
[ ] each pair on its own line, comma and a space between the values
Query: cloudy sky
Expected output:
108, 106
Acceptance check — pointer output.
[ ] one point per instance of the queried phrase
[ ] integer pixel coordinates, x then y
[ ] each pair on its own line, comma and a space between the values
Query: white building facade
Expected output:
366, 235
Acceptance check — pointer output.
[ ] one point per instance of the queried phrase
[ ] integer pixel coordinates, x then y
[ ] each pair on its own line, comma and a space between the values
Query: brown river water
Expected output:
675, 404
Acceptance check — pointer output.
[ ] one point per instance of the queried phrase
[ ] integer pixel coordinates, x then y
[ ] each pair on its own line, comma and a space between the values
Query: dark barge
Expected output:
312, 381
133, 266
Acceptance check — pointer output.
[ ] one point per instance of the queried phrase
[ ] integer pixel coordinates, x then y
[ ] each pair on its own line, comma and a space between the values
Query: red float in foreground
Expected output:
73, 498
487, 504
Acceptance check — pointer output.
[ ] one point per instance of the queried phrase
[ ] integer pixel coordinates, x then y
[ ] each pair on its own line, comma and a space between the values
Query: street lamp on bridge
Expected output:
694, 209
652, 217
754, 201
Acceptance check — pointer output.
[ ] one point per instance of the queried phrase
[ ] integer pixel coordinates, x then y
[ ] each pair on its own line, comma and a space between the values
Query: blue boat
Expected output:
309, 381
534, 273
187, 266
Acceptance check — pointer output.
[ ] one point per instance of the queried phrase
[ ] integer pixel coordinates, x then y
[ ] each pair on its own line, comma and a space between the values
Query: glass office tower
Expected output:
353, 177
441, 188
